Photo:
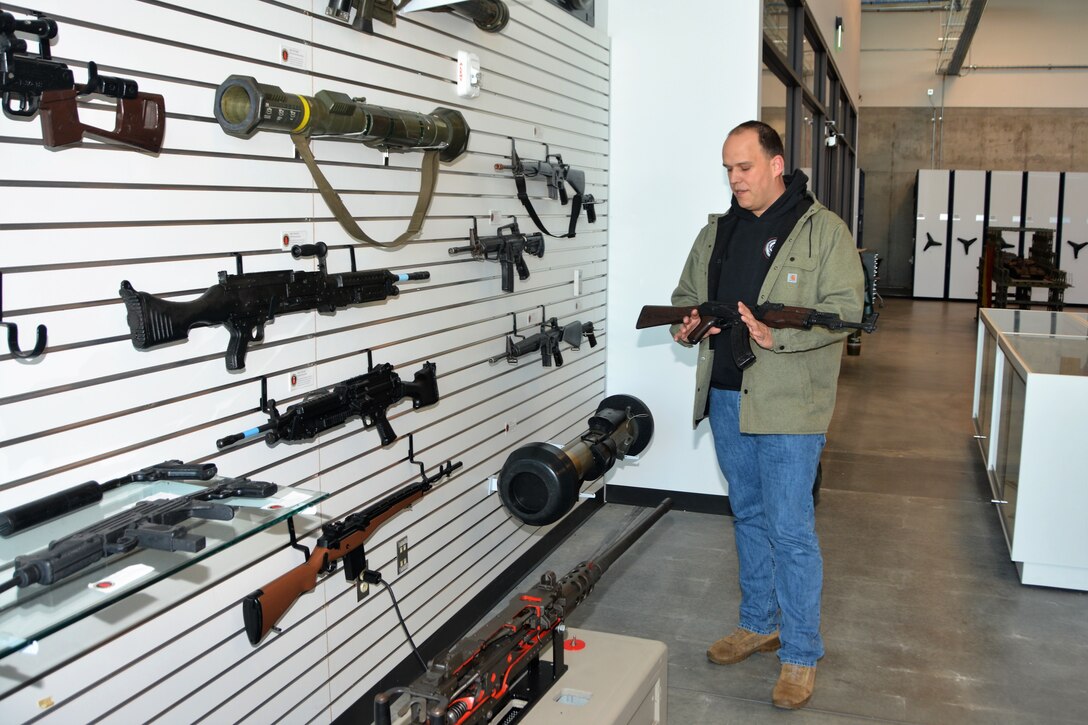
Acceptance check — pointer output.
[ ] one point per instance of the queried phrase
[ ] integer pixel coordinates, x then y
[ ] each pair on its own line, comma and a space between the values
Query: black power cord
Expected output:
375, 577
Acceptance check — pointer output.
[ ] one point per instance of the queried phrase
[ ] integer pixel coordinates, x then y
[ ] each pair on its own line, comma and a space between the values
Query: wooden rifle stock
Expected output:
339, 540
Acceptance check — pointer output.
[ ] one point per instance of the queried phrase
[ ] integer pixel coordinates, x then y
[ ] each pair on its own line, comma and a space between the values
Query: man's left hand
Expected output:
759, 332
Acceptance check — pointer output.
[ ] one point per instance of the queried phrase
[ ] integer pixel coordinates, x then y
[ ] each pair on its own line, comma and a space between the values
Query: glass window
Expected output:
772, 94
776, 22
804, 161
808, 67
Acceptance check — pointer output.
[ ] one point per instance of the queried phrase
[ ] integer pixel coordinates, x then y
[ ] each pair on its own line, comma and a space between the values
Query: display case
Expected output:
1031, 391
32, 612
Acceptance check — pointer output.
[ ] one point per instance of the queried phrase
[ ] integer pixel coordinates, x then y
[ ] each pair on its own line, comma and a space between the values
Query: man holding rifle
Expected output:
776, 243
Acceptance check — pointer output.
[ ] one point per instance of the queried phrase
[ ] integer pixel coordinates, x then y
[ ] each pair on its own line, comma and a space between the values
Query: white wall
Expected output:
899, 52
677, 88
847, 60
76, 222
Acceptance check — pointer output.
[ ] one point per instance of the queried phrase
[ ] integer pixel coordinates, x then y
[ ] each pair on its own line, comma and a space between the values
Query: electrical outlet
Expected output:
402, 554
362, 589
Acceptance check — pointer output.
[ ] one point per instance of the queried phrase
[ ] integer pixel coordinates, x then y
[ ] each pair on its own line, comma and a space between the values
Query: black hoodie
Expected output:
744, 249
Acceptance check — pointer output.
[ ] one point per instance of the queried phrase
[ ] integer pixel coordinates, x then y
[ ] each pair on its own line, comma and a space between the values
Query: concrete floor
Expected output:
924, 618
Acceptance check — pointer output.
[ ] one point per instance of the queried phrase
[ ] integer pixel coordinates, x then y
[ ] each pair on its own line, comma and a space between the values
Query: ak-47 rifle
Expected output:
557, 174
365, 396
548, 341
345, 539
489, 15
726, 316
508, 249
244, 303
150, 524
33, 83
470, 682
70, 499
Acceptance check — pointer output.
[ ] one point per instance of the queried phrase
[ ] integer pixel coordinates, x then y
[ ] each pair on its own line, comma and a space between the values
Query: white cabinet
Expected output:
1031, 394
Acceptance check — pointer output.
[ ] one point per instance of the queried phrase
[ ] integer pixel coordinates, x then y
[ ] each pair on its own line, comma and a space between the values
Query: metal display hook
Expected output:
444, 470
13, 335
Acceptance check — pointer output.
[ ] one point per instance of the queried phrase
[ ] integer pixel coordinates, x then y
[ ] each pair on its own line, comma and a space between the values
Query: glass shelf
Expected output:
1036, 322
28, 614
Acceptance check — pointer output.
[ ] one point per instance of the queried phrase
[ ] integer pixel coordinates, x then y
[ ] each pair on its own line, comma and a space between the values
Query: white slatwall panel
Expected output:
76, 222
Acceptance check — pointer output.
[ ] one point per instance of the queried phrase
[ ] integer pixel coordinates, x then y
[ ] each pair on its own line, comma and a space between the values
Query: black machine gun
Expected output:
558, 175
70, 499
489, 15
726, 317
472, 681
150, 524
244, 303
366, 396
33, 83
508, 248
340, 540
549, 342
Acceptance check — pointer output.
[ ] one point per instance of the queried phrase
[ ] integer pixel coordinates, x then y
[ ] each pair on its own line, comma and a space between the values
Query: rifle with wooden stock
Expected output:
725, 316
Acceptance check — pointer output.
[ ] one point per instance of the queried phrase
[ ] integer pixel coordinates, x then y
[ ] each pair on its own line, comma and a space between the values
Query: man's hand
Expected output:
759, 332
690, 323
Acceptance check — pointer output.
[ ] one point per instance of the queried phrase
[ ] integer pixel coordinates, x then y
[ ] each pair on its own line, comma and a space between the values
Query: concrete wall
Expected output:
988, 118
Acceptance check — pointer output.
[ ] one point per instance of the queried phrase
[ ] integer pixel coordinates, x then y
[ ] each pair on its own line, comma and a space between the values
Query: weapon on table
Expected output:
150, 524
539, 482
33, 83
489, 15
508, 249
243, 106
70, 499
548, 341
472, 681
245, 303
345, 539
365, 396
557, 174
726, 316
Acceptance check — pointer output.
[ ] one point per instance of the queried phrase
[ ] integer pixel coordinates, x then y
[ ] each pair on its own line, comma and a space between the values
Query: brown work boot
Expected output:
739, 645
794, 687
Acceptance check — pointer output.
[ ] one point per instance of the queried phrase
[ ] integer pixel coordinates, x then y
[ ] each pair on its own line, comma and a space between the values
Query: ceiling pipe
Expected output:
974, 14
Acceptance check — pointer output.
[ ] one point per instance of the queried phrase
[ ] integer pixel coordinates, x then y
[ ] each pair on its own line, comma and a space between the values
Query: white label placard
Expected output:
291, 55
120, 579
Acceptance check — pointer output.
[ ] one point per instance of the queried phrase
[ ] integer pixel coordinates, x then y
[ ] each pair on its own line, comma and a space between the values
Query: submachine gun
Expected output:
489, 15
243, 106
539, 482
474, 680
245, 303
557, 175
508, 248
37, 84
366, 396
150, 524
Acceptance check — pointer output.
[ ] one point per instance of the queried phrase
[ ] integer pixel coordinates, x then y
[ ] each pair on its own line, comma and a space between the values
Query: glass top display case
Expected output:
32, 611
1031, 390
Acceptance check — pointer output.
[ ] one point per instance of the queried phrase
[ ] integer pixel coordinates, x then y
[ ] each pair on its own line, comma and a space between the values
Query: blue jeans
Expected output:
774, 524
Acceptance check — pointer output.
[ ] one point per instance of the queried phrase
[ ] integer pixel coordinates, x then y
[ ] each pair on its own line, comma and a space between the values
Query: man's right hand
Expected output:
690, 323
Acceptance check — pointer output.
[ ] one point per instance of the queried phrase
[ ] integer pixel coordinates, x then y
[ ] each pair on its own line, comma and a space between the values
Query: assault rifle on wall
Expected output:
549, 342
150, 524
74, 498
243, 106
489, 15
245, 303
557, 175
36, 84
725, 316
508, 248
365, 396
340, 540
472, 681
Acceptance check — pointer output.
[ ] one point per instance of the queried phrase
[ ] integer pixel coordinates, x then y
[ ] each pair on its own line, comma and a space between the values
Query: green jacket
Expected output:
790, 389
